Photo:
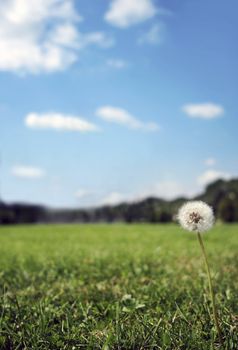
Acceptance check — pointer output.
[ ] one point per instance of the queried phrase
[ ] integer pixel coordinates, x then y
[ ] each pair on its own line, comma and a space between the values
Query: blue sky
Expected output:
106, 101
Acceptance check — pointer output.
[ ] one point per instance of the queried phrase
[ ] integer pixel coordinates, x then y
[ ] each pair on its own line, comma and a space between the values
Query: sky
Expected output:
105, 101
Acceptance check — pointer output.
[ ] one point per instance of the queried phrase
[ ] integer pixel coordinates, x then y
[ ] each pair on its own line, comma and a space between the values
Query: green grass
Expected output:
115, 287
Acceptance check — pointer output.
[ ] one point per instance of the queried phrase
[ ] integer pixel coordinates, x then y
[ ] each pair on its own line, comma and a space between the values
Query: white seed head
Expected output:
196, 216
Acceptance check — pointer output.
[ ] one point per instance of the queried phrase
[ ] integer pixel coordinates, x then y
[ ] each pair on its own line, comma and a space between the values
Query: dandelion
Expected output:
198, 217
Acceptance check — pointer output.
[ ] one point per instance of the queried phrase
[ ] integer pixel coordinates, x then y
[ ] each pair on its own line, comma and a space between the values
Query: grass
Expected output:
115, 287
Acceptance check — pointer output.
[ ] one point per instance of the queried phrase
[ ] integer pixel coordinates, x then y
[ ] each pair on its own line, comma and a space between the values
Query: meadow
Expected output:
115, 287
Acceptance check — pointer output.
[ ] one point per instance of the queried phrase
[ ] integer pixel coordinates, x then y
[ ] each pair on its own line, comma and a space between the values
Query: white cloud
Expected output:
122, 117
97, 38
212, 175
82, 193
203, 110
59, 121
113, 198
165, 189
117, 63
153, 36
42, 35
25, 11
67, 35
210, 161
27, 172
124, 13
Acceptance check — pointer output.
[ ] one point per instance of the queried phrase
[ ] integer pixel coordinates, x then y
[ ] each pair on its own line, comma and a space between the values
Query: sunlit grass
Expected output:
115, 287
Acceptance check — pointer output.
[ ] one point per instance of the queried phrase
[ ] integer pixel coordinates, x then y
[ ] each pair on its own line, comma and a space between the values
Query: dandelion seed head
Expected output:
196, 216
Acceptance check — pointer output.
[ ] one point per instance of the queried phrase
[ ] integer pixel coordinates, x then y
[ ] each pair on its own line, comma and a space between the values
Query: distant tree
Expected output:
7, 215
165, 217
228, 209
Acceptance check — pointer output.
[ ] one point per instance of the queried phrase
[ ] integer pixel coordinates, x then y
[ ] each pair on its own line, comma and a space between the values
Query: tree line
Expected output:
221, 195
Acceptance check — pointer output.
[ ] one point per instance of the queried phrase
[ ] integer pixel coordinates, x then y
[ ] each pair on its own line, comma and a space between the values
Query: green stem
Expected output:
210, 286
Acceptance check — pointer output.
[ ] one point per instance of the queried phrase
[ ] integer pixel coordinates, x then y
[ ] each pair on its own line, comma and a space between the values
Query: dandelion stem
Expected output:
212, 294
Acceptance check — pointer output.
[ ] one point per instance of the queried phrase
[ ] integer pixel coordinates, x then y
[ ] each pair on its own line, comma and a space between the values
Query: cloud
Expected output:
59, 121
153, 36
113, 198
212, 175
100, 39
210, 161
124, 13
68, 35
203, 110
82, 193
122, 117
42, 36
163, 189
27, 172
117, 63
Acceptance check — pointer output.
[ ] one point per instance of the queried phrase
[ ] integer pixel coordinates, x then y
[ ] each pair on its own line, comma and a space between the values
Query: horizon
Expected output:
129, 202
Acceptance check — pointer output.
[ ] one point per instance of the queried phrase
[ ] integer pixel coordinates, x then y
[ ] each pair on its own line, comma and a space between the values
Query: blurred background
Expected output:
122, 108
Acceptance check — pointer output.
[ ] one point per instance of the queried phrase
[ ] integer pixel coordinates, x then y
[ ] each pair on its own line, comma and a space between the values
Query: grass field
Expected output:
115, 287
